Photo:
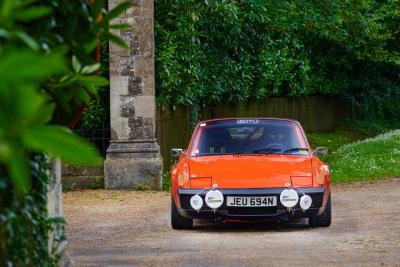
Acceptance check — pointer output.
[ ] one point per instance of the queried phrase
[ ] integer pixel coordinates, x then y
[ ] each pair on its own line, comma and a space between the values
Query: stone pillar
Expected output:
56, 243
133, 157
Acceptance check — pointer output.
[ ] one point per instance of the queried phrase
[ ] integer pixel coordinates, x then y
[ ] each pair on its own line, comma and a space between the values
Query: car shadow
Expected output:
264, 226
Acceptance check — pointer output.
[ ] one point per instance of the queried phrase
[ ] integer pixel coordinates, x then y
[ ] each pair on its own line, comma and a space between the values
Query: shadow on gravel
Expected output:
299, 225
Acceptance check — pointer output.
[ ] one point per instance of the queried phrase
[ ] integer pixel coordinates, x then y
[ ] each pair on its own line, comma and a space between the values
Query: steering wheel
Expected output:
276, 145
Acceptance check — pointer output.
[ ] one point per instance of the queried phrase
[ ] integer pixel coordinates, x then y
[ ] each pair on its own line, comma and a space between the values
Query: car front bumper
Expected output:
277, 212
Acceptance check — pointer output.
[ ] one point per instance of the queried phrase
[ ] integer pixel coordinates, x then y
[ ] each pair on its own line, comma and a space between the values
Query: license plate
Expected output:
266, 201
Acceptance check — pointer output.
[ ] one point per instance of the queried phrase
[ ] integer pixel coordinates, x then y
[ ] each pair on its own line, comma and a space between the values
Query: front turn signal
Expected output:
183, 175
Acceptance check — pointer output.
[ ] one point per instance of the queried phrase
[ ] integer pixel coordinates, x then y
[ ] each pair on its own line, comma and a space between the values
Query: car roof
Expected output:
250, 118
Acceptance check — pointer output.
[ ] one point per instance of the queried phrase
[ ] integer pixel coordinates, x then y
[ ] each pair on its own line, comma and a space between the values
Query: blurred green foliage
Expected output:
47, 67
47, 70
212, 51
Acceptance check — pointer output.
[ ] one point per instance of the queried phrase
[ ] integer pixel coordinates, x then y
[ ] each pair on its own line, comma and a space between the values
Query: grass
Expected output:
97, 183
334, 140
361, 151
167, 181
369, 159
142, 187
349, 133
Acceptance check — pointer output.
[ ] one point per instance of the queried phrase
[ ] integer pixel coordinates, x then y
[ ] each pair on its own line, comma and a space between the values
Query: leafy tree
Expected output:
236, 50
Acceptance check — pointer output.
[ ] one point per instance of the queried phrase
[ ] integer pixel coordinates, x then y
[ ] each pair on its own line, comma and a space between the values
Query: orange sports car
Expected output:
249, 169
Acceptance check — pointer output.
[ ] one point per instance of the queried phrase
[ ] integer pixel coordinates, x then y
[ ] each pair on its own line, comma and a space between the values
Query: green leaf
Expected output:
90, 68
30, 101
61, 142
97, 7
32, 13
91, 88
64, 79
6, 7
61, 49
45, 113
4, 33
90, 45
121, 26
93, 80
117, 40
25, 3
22, 65
27, 39
5, 151
116, 11
76, 65
85, 96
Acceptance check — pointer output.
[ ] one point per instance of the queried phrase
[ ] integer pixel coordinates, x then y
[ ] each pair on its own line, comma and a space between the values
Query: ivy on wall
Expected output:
217, 51
25, 224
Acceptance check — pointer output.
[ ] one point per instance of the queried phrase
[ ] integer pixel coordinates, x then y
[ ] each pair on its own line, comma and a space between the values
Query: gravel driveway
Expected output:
127, 228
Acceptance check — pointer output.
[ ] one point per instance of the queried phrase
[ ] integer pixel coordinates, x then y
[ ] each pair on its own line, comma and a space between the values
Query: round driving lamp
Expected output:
214, 199
305, 202
196, 202
289, 198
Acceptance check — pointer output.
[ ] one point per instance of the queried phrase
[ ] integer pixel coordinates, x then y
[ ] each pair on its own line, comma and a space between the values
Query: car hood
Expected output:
250, 171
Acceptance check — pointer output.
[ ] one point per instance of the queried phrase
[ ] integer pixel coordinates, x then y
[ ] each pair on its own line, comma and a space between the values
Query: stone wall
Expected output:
74, 177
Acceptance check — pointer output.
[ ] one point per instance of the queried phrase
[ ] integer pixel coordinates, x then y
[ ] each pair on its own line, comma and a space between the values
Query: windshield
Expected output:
249, 136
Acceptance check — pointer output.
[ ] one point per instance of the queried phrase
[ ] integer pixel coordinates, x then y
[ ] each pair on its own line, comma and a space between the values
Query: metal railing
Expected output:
99, 137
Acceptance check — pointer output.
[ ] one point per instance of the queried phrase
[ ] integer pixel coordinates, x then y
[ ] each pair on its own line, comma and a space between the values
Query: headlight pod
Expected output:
289, 198
214, 199
196, 202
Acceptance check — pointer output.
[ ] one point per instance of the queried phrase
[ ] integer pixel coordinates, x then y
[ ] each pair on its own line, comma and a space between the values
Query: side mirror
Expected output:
321, 151
176, 152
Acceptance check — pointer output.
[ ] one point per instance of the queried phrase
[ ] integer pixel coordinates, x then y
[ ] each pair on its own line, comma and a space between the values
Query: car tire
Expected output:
325, 218
177, 220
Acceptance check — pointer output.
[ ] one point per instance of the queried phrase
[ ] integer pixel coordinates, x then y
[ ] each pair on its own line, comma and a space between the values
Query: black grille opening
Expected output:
251, 211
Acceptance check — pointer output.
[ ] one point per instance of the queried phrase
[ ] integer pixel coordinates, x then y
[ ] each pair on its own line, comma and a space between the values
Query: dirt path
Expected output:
125, 228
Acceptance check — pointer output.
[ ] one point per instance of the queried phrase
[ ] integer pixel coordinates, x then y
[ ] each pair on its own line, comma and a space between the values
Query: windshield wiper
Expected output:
294, 149
240, 152
250, 153
272, 150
